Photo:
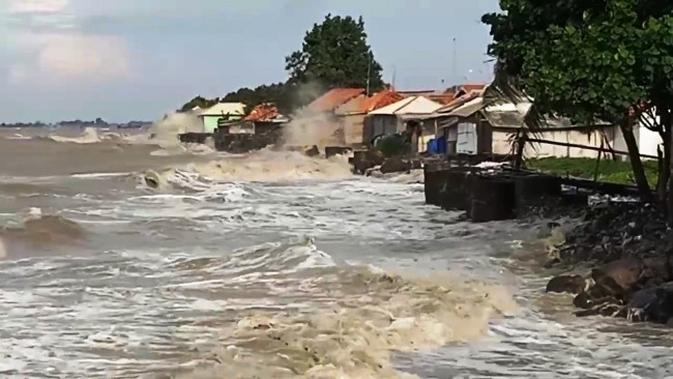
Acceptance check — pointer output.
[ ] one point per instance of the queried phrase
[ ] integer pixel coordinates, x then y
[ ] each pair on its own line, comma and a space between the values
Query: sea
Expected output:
127, 255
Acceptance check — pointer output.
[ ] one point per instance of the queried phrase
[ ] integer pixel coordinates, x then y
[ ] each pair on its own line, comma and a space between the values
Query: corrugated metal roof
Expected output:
444, 99
505, 119
334, 98
469, 108
220, 109
411, 105
458, 102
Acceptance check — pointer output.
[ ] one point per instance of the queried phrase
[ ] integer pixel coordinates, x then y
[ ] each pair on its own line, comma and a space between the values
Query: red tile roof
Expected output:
263, 112
334, 98
379, 100
363, 104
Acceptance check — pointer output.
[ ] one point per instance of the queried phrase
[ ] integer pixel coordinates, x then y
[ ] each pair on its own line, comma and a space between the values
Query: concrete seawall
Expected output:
487, 195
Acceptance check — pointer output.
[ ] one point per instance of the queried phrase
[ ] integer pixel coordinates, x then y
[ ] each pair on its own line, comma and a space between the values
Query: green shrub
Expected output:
393, 145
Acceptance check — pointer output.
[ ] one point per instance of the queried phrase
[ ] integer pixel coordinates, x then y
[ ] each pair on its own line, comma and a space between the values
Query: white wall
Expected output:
502, 143
649, 141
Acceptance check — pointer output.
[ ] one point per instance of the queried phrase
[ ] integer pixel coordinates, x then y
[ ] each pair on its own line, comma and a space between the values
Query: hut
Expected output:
352, 114
221, 113
408, 114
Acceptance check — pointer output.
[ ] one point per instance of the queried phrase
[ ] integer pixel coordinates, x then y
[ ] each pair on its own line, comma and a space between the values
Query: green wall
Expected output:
210, 123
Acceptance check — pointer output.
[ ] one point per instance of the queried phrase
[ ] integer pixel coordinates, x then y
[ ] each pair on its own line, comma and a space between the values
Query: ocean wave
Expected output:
261, 166
41, 231
274, 258
299, 314
88, 136
17, 137
368, 315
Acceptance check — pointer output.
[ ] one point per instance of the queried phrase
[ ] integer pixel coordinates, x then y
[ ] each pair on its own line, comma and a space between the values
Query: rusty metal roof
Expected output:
334, 98
473, 87
458, 102
266, 112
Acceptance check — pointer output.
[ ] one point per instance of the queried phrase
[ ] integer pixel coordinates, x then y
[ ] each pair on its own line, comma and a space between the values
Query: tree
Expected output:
605, 60
280, 94
335, 53
199, 101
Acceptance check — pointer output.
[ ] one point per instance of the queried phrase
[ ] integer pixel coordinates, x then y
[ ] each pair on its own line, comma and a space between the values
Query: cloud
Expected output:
37, 6
71, 58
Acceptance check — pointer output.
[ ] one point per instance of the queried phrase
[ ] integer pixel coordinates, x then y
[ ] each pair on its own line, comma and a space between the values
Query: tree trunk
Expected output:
636, 163
521, 141
663, 172
665, 164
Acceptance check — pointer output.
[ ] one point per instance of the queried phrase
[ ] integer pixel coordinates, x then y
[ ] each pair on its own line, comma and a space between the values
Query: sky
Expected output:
139, 59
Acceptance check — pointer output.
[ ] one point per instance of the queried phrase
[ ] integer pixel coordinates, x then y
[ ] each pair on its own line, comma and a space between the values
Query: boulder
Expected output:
620, 277
312, 152
652, 305
574, 284
363, 160
395, 164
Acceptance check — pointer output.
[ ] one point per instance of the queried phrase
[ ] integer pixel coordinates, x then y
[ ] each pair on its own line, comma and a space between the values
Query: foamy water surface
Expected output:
273, 265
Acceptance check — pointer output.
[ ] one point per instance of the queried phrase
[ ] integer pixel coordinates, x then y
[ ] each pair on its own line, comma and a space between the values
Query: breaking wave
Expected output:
41, 231
261, 166
89, 135
17, 136
356, 318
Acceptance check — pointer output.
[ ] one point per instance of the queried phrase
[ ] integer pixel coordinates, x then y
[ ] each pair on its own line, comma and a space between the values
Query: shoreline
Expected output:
615, 257
626, 247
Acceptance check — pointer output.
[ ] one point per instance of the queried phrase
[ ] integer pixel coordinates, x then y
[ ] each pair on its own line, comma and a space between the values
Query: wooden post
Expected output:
520, 147
598, 162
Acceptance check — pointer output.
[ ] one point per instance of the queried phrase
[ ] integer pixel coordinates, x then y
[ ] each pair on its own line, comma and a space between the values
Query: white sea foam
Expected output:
88, 136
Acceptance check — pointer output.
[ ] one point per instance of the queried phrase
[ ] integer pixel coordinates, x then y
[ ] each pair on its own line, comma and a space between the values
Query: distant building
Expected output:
333, 99
221, 112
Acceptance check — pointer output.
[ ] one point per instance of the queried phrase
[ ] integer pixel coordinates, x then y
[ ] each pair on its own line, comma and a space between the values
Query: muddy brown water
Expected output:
271, 265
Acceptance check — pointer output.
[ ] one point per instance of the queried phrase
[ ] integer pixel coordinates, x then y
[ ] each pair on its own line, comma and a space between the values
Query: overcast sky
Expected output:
138, 59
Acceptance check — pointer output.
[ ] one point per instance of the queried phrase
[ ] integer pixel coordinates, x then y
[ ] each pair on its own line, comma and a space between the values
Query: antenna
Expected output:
453, 62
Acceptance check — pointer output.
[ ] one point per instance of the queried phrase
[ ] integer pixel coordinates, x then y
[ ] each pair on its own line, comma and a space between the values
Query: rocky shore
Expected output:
619, 263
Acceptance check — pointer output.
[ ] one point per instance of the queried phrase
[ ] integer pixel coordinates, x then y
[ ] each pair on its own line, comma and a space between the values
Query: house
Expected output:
263, 119
333, 99
214, 116
442, 97
352, 114
485, 123
398, 117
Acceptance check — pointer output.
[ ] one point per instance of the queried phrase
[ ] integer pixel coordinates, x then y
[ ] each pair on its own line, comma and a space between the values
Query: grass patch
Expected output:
608, 171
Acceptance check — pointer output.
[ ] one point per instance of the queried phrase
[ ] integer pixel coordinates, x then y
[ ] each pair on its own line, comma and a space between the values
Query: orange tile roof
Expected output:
380, 100
263, 112
334, 98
